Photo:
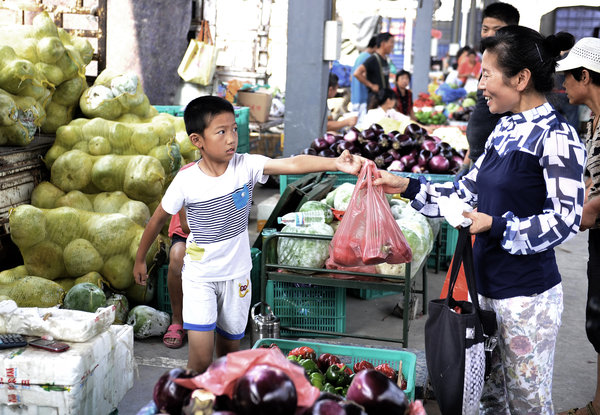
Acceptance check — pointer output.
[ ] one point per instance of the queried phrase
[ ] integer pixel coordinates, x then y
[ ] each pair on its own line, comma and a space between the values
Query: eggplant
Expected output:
417, 169
265, 390
446, 153
352, 408
438, 164
444, 146
223, 403
415, 131
371, 150
334, 147
380, 161
383, 142
408, 161
396, 165
345, 145
330, 138
309, 150
326, 407
456, 162
319, 144
377, 129
430, 145
367, 135
423, 159
394, 154
326, 153
168, 395
377, 393
352, 135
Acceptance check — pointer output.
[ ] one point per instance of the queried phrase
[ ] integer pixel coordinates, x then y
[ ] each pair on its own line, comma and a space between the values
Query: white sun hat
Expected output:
585, 54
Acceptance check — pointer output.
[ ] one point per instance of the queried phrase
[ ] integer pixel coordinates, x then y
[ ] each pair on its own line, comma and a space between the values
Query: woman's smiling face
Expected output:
498, 91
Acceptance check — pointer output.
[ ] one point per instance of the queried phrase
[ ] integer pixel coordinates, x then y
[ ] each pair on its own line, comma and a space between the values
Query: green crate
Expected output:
352, 354
242, 115
366, 294
284, 179
304, 306
448, 239
162, 298
164, 301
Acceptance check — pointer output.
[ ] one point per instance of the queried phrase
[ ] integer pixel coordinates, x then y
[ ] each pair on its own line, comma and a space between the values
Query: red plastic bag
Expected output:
368, 233
220, 377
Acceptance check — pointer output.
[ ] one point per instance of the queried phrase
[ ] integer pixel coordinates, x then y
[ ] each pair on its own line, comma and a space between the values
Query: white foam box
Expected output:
89, 378
264, 210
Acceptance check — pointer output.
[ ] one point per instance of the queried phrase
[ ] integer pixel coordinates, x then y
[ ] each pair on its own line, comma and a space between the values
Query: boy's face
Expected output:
490, 25
332, 91
219, 141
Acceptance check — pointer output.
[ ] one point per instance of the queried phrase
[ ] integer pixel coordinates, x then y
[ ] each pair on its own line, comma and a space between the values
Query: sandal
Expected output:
174, 336
589, 407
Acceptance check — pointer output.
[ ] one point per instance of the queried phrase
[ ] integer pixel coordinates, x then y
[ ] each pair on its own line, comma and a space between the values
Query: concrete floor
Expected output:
575, 366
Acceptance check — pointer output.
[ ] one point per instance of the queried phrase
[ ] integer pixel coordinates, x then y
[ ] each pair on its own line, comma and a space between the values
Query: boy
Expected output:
217, 194
482, 121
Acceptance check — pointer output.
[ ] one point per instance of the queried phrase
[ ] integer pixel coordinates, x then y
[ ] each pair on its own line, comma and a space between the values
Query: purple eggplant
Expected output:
377, 393
326, 153
371, 150
430, 145
265, 390
352, 408
377, 129
383, 142
395, 155
417, 169
456, 162
334, 147
309, 150
423, 159
319, 144
367, 135
168, 395
345, 145
408, 160
415, 131
380, 161
330, 138
438, 164
352, 135
396, 165
326, 407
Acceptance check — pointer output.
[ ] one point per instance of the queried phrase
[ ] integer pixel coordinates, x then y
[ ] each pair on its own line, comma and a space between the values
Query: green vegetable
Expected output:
121, 305
309, 365
328, 387
317, 379
313, 205
337, 376
147, 321
300, 252
342, 197
85, 297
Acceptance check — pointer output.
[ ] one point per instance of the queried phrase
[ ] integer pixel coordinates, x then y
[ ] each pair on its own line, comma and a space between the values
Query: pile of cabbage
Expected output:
42, 76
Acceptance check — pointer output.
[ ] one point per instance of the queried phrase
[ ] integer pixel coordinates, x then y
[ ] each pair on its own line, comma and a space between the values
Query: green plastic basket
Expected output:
366, 294
162, 298
448, 239
352, 354
302, 306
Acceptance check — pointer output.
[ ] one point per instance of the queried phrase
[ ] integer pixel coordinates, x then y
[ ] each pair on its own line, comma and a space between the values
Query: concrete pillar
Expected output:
307, 74
422, 47
149, 37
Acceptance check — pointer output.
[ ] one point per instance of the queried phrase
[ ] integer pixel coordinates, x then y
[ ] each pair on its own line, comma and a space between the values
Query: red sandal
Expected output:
174, 336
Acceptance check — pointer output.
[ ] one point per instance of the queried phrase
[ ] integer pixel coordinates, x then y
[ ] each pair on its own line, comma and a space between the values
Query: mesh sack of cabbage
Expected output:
20, 118
115, 94
46, 63
67, 242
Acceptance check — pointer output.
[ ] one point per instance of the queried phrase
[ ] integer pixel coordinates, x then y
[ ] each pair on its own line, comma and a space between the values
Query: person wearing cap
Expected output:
581, 68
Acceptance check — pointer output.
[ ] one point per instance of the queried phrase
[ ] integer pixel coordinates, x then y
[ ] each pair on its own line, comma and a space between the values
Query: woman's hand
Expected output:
391, 183
349, 163
481, 221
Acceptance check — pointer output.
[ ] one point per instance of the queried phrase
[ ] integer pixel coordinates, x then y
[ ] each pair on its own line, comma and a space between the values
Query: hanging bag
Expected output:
459, 338
368, 233
200, 60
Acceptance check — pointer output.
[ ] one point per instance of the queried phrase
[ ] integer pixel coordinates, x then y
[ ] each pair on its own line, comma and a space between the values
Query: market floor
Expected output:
575, 361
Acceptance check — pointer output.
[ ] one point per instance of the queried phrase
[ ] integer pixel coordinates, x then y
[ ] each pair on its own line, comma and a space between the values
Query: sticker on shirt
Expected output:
243, 288
195, 252
240, 198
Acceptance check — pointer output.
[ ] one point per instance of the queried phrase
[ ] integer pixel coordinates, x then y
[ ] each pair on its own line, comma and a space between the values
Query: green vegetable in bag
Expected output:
85, 297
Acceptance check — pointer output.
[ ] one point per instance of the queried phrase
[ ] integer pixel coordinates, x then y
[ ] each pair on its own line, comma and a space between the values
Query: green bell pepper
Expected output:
328, 387
317, 379
337, 376
309, 365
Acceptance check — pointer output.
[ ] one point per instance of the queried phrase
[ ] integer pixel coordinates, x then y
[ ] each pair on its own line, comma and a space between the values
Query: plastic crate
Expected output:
366, 294
164, 301
284, 179
448, 239
162, 297
242, 115
352, 354
303, 306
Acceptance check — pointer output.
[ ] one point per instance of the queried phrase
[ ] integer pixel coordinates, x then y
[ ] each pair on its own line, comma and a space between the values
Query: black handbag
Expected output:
458, 336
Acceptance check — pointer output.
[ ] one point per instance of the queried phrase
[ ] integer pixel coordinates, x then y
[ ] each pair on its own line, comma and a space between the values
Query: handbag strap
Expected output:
204, 34
463, 255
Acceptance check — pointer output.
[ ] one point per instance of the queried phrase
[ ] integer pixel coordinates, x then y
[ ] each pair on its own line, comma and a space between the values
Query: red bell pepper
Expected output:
362, 365
388, 371
325, 360
303, 352
344, 368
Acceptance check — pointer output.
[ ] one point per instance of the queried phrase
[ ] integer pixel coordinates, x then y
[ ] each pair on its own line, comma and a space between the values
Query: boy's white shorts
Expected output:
220, 305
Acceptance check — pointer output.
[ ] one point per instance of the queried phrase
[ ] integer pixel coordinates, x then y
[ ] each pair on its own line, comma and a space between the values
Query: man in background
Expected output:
482, 121
359, 94
374, 73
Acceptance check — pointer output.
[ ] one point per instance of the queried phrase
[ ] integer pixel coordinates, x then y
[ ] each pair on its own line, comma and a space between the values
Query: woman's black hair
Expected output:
519, 47
403, 72
200, 111
381, 96
578, 73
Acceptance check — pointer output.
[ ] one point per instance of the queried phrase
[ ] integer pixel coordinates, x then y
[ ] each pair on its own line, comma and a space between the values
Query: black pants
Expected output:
592, 309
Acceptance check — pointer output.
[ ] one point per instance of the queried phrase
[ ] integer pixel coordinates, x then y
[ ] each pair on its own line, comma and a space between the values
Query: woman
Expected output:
582, 84
382, 106
528, 190
404, 98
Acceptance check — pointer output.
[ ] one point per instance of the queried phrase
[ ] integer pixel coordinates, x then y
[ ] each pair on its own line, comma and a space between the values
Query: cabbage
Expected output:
300, 252
342, 196
148, 321
313, 205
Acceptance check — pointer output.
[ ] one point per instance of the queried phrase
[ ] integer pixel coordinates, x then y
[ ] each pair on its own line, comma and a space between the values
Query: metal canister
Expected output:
264, 325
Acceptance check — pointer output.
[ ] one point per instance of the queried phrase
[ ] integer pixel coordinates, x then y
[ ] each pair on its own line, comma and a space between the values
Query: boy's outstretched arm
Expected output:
346, 163
153, 228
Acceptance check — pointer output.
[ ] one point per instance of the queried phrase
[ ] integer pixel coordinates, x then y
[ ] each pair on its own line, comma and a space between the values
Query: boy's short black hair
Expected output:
502, 11
200, 111
333, 80
382, 37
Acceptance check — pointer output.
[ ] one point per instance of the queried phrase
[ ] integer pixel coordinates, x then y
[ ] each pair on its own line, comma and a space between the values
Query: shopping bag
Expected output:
368, 233
459, 338
200, 60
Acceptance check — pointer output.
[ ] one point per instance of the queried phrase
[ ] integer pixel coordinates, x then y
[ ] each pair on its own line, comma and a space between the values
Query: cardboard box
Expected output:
259, 104
90, 378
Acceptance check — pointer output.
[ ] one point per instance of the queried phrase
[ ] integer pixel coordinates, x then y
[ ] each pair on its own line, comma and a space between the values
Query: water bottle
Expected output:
302, 218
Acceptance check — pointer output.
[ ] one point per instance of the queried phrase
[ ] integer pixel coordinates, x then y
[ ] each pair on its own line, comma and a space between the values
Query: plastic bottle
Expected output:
302, 218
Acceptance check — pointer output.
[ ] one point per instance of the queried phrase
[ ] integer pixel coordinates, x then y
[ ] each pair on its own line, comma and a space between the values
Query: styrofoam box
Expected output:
264, 210
89, 378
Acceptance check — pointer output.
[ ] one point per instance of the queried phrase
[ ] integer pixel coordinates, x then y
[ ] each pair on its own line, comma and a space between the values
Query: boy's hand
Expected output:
391, 183
140, 273
349, 163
